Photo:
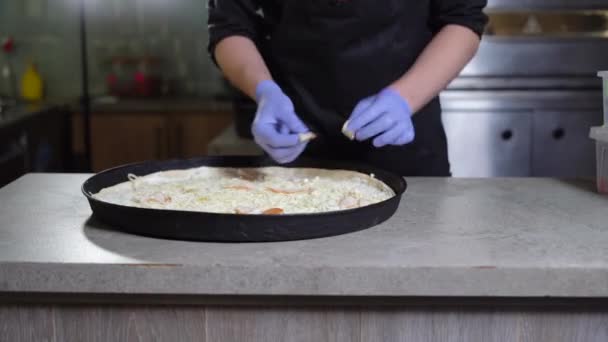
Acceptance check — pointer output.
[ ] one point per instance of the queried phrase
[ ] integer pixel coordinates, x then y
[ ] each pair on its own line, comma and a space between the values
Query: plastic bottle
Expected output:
32, 86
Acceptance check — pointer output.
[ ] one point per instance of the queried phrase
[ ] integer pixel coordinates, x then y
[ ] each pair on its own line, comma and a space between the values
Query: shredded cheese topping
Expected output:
266, 191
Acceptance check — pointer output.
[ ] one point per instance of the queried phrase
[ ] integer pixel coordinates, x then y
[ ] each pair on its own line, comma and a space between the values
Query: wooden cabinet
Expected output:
192, 133
121, 138
125, 138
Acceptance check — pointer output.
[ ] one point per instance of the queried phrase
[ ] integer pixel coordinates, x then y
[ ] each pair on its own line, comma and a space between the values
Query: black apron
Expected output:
327, 55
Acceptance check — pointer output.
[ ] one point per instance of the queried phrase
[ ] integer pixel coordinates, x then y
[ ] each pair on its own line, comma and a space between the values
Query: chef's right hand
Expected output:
276, 127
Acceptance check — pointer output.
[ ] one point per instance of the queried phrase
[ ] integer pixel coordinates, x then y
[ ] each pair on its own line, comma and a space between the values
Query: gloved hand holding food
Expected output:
386, 117
277, 128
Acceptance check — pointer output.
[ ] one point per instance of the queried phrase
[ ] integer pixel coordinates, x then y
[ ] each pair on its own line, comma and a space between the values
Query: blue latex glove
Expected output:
386, 117
277, 128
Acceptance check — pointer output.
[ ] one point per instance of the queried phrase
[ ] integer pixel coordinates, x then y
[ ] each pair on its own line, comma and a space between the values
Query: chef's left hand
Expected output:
386, 116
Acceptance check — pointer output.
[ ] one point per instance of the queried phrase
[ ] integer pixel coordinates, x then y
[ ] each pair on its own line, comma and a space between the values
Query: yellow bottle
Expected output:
31, 84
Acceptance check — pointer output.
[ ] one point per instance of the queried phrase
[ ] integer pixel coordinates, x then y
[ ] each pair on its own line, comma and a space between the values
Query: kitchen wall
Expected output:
47, 33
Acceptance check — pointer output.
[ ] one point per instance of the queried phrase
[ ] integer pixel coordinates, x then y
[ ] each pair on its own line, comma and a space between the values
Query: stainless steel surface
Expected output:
552, 59
485, 144
517, 83
521, 133
521, 100
540, 44
561, 146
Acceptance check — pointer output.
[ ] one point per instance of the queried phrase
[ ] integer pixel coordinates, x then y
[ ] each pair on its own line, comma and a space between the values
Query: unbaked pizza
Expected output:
249, 191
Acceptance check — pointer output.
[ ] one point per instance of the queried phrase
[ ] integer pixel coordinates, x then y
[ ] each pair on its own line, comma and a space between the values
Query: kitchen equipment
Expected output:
521, 133
600, 135
524, 105
185, 225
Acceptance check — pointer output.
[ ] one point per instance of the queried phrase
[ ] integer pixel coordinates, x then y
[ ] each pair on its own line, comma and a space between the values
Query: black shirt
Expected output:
329, 54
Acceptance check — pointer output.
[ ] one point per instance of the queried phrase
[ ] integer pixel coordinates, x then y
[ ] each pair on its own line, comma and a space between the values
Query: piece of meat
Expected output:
348, 202
273, 211
158, 198
364, 202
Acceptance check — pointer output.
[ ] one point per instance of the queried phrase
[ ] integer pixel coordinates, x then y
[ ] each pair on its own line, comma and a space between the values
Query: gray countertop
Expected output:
450, 237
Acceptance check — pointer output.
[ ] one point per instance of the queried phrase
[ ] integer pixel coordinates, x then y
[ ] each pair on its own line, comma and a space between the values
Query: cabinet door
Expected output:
13, 154
484, 144
561, 145
125, 138
192, 133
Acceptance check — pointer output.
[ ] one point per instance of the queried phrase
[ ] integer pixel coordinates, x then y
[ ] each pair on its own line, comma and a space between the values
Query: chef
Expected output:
361, 76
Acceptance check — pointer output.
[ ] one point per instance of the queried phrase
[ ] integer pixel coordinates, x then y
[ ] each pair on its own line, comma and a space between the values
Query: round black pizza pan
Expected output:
213, 227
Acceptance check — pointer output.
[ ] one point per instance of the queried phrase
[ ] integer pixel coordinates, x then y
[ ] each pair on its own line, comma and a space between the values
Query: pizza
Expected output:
249, 191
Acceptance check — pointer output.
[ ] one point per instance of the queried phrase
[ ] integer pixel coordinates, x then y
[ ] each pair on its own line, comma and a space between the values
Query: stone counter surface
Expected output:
450, 237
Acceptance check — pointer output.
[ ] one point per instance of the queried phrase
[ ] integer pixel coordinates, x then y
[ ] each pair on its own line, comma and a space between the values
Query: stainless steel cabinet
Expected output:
561, 146
489, 144
521, 132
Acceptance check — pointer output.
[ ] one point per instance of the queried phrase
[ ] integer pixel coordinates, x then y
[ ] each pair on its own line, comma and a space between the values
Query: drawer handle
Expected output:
559, 133
507, 135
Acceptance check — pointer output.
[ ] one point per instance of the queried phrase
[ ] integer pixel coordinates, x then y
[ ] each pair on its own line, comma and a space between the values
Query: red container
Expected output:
134, 77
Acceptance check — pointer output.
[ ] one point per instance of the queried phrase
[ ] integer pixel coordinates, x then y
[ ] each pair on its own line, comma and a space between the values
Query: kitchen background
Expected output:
171, 35
523, 107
